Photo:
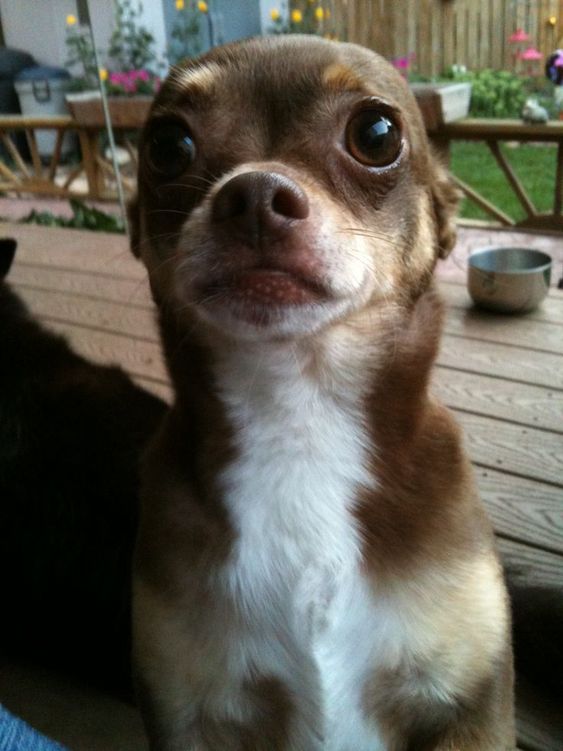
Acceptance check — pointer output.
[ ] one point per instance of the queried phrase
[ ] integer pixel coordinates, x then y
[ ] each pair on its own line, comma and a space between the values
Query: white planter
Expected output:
442, 103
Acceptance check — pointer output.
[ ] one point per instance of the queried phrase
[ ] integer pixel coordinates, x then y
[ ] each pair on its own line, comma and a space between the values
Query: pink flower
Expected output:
401, 63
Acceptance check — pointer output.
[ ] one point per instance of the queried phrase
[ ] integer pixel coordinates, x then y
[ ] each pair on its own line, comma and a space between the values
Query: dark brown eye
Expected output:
171, 149
373, 138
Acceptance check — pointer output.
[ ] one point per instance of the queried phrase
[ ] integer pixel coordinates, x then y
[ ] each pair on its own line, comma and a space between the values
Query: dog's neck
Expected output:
375, 367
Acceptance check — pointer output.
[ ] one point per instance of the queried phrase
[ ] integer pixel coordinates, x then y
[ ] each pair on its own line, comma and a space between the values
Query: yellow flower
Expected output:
202, 6
275, 14
70, 20
179, 4
552, 20
103, 74
296, 16
319, 13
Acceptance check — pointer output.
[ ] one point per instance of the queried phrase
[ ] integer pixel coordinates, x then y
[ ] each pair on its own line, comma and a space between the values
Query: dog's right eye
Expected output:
171, 149
373, 138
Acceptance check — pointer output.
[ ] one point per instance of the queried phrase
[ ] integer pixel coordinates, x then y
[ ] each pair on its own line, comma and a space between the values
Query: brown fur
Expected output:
280, 106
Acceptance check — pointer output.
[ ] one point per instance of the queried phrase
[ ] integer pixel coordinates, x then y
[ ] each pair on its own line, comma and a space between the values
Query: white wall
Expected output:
38, 26
268, 5
153, 19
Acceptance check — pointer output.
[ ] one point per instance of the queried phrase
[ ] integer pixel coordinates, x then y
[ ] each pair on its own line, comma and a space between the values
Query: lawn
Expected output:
535, 166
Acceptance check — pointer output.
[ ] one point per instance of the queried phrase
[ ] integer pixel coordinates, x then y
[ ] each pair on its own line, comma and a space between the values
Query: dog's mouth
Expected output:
260, 295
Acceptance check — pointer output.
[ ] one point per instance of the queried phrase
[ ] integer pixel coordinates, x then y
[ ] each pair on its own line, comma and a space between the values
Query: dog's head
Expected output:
285, 184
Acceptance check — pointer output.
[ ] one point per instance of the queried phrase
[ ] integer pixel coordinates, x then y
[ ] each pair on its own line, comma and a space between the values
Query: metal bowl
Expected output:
508, 280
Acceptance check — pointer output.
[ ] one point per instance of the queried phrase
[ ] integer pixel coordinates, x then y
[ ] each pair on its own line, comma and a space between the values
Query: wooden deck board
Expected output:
89, 285
85, 251
104, 315
524, 452
531, 566
526, 510
137, 356
456, 296
501, 361
502, 375
541, 336
515, 402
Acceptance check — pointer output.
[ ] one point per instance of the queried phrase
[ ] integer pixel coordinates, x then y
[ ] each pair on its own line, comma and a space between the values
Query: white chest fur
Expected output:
294, 572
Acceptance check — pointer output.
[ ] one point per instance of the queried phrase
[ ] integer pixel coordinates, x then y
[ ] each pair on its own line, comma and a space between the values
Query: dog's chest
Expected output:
295, 568
290, 492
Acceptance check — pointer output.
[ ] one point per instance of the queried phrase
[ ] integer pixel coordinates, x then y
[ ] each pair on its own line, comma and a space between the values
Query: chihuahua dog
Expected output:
314, 570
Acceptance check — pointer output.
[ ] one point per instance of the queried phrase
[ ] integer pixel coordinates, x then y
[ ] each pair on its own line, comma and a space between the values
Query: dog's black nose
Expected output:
260, 205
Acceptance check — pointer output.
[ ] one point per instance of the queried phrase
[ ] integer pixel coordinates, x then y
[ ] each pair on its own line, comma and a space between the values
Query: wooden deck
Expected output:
502, 376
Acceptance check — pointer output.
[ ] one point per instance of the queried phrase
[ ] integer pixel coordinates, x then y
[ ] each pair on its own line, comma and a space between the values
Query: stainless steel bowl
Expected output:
508, 280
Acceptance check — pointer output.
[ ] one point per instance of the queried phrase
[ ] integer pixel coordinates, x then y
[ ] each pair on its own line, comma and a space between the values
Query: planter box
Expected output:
125, 111
442, 102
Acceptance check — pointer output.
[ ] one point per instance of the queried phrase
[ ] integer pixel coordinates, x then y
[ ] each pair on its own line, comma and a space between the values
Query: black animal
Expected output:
71, 434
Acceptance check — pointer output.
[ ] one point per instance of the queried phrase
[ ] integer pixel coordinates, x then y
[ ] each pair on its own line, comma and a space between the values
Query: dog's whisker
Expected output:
147, 241
365, 233
182, 212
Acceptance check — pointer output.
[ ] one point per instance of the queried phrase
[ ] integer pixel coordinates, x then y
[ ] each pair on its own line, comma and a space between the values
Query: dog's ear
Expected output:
7, 252
445, 201
134, 219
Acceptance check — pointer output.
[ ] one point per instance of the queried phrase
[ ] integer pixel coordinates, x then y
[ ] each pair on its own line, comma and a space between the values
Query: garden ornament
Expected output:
533, 112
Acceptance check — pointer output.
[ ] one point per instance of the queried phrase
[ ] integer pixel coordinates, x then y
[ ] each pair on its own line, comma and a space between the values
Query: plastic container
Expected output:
41, 91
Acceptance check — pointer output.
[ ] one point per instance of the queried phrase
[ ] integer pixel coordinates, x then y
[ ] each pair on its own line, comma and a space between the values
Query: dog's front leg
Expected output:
193, 697
159, 674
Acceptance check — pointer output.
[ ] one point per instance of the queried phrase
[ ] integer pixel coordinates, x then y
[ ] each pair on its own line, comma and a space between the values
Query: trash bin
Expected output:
12, 61
41, 91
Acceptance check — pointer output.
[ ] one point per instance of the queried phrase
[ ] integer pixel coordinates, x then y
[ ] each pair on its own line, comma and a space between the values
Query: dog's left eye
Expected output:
171, 149
373, 138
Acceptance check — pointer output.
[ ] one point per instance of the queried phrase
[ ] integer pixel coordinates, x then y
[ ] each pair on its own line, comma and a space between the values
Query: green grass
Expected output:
535, 166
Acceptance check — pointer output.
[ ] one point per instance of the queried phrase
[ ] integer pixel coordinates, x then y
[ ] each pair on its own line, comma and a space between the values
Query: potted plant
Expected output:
130, 96
130, 78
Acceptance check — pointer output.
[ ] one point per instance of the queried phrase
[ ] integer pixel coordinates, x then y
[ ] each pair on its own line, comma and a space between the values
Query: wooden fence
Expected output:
441, 33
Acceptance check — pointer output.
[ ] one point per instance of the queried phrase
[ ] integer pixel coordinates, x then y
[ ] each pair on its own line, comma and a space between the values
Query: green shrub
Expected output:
502, 94
131, 45
494, 93
84, 217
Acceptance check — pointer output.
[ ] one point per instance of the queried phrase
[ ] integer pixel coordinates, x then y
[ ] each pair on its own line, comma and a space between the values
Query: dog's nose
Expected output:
260, 205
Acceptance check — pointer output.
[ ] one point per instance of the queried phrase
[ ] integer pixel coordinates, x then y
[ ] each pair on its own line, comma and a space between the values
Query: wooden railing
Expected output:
20, 176
492, 133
